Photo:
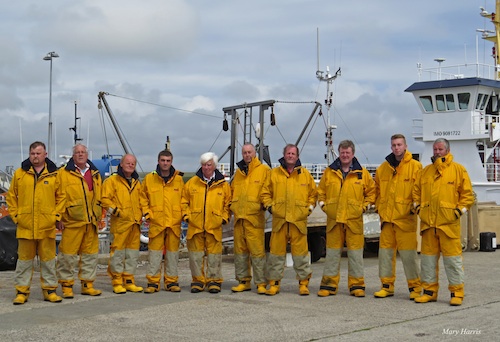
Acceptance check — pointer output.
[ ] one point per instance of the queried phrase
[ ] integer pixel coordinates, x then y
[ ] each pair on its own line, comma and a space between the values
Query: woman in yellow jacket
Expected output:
442, 193
345, 191
206, 198
123, 199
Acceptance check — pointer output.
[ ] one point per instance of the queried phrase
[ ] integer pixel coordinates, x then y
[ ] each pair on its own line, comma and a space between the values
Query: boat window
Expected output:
479, 100
440, 103
450, 102
426, 102
484, 102
463, 101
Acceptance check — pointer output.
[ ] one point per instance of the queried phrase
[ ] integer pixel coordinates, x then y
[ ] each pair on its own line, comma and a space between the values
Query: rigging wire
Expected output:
164, 106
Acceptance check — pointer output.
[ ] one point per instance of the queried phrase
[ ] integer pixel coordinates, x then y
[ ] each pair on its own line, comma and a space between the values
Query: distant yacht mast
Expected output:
326, 77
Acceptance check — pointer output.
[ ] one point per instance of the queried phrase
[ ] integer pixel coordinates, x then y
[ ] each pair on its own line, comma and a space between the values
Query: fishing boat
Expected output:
462, 104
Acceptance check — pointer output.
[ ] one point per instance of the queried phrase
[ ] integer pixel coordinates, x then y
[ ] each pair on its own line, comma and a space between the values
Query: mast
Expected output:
328, 78
495, 38
74, 128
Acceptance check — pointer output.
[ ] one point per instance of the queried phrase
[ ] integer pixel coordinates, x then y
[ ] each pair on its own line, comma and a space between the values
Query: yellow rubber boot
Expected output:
244, 285
67, 291
261, 289
387, 290
303, 287
456, 299
89, 290
426, 297
119, 289
152, 288
172, 287
51, 296
274, 288
21, 297
131, 287
415, 292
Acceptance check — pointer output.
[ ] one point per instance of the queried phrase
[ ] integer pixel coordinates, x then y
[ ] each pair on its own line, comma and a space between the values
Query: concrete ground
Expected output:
227, 316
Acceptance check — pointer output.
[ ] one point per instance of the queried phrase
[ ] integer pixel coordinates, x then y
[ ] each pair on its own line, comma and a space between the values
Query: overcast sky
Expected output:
158, 56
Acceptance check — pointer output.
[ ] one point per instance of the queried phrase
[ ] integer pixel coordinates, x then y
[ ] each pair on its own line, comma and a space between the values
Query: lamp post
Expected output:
49, 57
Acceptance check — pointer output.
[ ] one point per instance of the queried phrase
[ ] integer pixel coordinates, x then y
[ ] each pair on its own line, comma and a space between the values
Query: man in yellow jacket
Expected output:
290, 196
206, 198
442, 193
79, 245
36, 201
162, 189
394, 181
123, 199
249, 220
345, 191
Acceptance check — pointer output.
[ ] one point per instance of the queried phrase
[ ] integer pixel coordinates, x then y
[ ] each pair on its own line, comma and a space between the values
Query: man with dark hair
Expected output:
290, 196
394, 181
346, 190
36, 201
162, 189
442, 193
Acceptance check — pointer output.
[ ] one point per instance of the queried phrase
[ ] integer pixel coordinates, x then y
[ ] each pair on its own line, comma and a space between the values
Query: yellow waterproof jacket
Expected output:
291, 197
82, 205
205, 206
36, 203
443, 192
246, 189
345, 199
163, 196
124, 200
394, 188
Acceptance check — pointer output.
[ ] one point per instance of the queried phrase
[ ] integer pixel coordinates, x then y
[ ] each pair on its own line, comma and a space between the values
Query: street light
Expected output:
49, 57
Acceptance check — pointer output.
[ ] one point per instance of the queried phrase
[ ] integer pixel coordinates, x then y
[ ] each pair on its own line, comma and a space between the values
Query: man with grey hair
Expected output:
442, 194
205, 202
122, 197
249, 220
79, 245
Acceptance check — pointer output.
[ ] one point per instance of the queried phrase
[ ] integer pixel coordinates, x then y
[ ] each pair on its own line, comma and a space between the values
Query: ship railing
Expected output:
5, 179
492, 172
481, 123
447, 72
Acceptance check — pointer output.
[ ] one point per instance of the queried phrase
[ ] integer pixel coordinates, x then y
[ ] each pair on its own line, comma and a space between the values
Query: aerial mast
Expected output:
74, 128
495, 38
325, 76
